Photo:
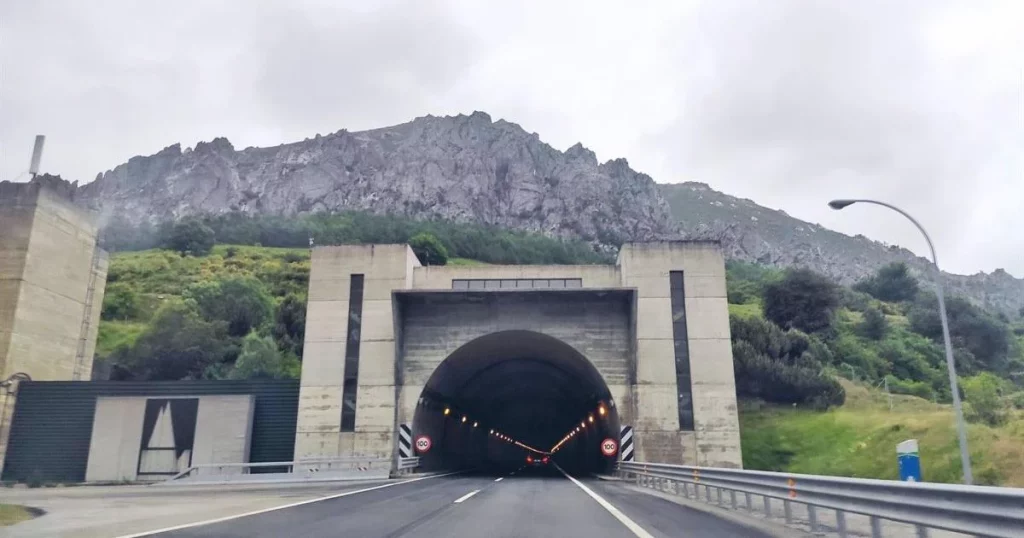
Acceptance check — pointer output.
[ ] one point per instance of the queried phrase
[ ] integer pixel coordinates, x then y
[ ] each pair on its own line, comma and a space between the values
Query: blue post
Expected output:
909, 461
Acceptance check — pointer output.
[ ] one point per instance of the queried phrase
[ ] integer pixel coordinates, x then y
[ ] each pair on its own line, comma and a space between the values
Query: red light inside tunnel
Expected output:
545, 460
529, 459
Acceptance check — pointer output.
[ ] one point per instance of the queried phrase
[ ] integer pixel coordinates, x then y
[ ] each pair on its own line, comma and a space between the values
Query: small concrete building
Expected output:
52, 278
469, 360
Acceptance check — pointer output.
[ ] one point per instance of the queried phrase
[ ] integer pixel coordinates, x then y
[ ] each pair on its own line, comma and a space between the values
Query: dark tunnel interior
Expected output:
509, 396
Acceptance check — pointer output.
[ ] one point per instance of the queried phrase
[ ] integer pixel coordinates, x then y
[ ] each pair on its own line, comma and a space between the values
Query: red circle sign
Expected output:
609, 447
423, 443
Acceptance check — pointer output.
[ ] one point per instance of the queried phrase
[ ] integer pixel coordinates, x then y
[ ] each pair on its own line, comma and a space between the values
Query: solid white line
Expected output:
500, 478
282, 507
629, 523
466, 496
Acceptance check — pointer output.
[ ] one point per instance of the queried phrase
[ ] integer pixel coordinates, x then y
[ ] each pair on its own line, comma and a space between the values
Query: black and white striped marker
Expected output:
626, 443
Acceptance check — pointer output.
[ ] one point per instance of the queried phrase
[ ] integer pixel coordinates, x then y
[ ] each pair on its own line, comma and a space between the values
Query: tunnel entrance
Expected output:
512, 396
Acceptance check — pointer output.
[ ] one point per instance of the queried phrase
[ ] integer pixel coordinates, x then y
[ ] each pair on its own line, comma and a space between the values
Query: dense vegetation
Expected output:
795, 331
471, 241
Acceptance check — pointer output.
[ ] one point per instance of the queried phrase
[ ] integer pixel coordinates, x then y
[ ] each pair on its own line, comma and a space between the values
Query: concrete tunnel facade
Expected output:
530, 352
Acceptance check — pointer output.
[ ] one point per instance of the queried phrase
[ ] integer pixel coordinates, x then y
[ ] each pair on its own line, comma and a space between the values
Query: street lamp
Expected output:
965, 457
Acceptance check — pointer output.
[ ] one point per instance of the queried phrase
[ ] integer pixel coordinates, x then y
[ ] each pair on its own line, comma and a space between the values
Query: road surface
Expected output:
529, 503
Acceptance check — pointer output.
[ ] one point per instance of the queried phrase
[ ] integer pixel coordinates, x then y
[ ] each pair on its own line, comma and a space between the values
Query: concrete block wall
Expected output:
596, 326
715, 440
385, 268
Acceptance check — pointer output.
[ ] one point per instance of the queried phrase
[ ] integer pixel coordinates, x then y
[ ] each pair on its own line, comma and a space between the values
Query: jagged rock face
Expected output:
462, 168
753, 233
470, 169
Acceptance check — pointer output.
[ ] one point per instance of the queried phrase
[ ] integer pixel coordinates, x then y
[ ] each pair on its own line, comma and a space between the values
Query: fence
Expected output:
978, 510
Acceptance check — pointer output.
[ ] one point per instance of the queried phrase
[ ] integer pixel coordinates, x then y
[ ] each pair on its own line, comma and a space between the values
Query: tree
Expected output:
177, 344
802, 300
290, 324
428, 249
191, 236
243, 303
892, 283
874, 326
260, 359
978, 336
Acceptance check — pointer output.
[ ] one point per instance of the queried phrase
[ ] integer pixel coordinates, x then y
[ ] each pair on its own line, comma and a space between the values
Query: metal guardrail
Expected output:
310, 465
978, 510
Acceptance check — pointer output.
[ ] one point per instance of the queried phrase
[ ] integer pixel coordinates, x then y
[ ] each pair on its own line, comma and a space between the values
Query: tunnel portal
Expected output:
530, 352
512, 395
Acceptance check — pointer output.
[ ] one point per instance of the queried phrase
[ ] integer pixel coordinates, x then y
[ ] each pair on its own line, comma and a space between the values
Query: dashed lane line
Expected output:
623, 518
466, 496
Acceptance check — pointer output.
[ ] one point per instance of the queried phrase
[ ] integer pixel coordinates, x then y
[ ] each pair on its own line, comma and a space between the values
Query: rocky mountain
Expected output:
470, 168
753, 233
462, 168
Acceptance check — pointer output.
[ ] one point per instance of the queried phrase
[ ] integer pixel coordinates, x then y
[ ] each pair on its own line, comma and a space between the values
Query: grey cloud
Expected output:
792, 103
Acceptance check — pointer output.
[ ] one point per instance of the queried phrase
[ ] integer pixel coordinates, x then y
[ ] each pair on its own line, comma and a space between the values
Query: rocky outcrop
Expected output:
753, 233
473, 169
462, 168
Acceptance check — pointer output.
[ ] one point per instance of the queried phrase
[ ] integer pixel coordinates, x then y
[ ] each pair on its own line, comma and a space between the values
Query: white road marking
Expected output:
629, 523
282, 507
466, 496
500, 478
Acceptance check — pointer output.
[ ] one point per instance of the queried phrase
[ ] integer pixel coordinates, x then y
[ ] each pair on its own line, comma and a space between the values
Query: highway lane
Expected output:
525, 504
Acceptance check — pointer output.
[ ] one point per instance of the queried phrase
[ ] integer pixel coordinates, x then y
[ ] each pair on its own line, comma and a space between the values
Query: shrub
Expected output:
982, 339
874, 326
802, 300
242, 303
428, 249
260, 359
983, 392
892, 283
191, 236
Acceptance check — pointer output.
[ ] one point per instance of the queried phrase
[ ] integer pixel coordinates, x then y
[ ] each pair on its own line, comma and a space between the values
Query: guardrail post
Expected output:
788, 507
812, 517
922, 531
876, 527
750, 505
841, 523
732, 497
767, 506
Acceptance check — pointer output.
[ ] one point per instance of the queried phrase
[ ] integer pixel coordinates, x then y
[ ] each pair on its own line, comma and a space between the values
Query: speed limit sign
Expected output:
609, 447
423, 443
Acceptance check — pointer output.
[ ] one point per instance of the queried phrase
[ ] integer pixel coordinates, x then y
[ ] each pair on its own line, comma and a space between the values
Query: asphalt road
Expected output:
525, 504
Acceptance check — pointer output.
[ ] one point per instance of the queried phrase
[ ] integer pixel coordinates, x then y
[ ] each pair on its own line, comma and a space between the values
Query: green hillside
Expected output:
811, 357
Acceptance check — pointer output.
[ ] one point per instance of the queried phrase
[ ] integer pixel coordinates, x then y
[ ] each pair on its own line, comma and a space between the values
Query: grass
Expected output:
14, 513
859, 440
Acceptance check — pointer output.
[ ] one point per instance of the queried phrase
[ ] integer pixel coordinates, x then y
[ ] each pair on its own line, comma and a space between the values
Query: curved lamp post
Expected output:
965, 457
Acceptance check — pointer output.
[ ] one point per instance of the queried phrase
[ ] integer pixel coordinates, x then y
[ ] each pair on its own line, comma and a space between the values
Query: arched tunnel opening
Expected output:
516, 398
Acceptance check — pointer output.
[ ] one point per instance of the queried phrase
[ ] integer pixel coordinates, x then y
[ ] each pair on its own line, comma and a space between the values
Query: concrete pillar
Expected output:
52, 278
714, 440
318, 433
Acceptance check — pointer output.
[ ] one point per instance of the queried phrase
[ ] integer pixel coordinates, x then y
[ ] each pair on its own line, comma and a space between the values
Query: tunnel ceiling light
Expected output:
447, 410
463, 418
475, 424
601, 410
591, 418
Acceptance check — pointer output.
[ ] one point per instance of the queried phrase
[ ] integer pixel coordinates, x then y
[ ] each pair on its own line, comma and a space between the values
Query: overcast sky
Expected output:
788, 103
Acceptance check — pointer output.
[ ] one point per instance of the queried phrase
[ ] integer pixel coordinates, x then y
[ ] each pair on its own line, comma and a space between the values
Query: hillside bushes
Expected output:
782, 366
482, 243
